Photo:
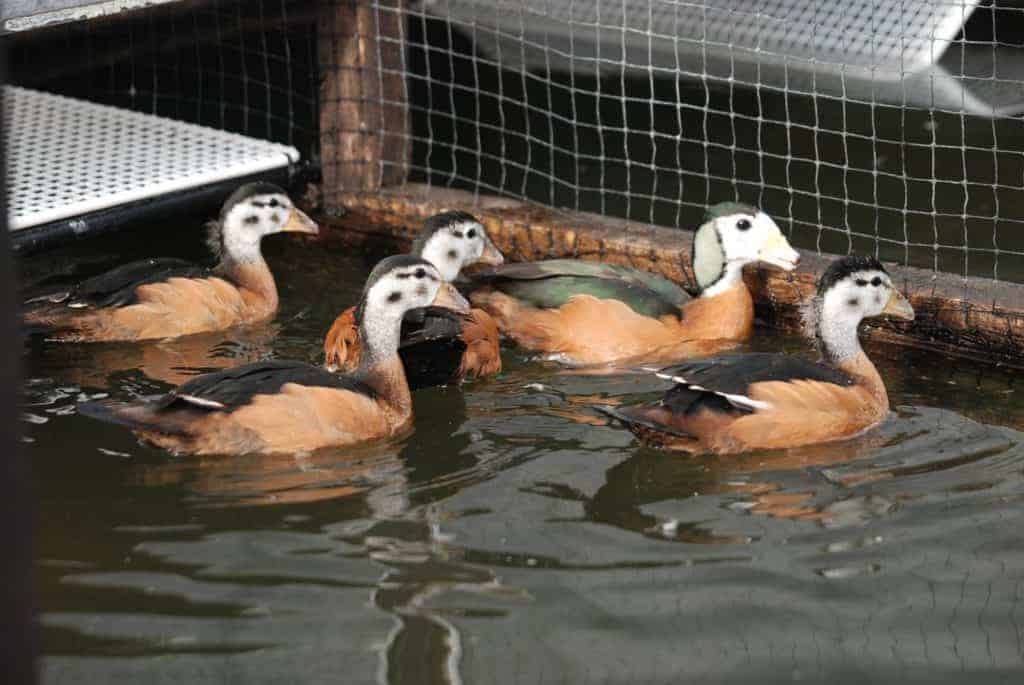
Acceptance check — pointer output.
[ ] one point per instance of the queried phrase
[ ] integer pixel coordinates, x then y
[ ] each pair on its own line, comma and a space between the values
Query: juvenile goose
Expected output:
592, 313
437, 347
167, 298
286, 406
741, 402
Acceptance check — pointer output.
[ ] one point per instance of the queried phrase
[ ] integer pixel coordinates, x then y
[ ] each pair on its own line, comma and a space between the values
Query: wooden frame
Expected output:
364, 121
974, 317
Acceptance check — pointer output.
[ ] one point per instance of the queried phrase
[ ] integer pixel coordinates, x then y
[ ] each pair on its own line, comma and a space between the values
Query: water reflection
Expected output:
170, 362
512, 537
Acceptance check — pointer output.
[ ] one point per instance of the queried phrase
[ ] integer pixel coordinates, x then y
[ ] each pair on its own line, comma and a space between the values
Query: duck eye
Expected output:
743, 224
395, 296
273, 202
471, 233
420, 273
876, 281
861, 282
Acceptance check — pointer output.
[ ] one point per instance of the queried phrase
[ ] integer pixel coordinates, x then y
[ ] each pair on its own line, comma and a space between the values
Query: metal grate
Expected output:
68, 158
873, 126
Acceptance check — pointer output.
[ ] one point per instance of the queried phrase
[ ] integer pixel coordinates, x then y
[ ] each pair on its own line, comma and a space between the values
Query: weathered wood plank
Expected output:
974, 317
364, 121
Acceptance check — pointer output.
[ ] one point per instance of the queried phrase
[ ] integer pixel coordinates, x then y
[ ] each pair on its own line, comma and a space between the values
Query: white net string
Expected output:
872, 126
879, 127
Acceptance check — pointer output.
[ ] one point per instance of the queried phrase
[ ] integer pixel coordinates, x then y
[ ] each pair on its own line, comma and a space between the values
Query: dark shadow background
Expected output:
18, 650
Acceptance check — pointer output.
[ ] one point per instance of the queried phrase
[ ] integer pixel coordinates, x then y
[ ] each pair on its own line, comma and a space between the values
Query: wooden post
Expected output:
364, 120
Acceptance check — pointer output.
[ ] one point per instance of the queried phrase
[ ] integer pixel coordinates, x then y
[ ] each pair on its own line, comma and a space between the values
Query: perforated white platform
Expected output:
68, 158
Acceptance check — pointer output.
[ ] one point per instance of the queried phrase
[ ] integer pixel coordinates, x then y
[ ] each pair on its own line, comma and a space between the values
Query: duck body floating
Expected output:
740, 402
439, 345
167, 298
287, 406
588, 313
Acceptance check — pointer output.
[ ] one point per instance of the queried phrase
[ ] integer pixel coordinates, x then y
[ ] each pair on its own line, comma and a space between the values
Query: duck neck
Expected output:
242, 263
380, 367
840, 346
716, 282
387, 379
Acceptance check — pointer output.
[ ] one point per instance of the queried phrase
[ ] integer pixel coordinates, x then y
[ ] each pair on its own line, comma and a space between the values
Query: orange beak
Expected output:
298, 222
447, 296
491, 255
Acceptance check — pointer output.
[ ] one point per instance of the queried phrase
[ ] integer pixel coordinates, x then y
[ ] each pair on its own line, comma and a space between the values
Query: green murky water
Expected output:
511, 540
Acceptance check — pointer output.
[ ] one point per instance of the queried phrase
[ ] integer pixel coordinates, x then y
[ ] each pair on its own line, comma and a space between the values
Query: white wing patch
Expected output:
738, 401
201, 402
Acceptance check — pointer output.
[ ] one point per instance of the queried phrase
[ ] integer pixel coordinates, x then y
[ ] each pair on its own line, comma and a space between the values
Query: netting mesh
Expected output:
872, 126
876, 126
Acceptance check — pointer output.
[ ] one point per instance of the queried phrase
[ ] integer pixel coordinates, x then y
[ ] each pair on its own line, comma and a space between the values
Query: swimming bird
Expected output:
437, 348
740, 402
587, 313
281, 406
167, 298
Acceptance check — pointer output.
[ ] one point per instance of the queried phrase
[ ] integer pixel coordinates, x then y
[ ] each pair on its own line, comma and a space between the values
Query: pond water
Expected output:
513, 538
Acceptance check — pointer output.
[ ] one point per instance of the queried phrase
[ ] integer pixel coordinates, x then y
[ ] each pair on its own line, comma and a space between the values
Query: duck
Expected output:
741, 402
288, 407
160, 298
437, 348
589, 313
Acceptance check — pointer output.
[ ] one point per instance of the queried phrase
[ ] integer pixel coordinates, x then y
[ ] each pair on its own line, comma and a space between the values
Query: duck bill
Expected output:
898, 307
299, 222
448, 296
491, 255
778, 252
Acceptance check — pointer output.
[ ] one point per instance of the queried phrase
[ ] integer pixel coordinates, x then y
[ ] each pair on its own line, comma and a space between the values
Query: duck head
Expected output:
253, 211
732, 236
454, 240
852, 289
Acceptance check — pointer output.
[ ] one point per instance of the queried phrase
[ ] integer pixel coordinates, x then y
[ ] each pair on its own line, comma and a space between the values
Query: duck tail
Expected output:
650, 430
142, 415
635, 418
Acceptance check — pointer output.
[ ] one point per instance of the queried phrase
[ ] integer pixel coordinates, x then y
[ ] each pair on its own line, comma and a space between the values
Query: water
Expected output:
512, 538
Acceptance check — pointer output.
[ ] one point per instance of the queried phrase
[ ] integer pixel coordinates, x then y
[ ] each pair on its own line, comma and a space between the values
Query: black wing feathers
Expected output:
432, 346
683, 400
431, 323
734, 374
698, 381
228, 390
117, 286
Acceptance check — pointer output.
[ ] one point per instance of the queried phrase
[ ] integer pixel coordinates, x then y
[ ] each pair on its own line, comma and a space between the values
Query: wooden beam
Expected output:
973, 317
364, 120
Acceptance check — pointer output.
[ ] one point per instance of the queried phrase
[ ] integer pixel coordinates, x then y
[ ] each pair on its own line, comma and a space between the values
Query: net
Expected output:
871, 126
877, 126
